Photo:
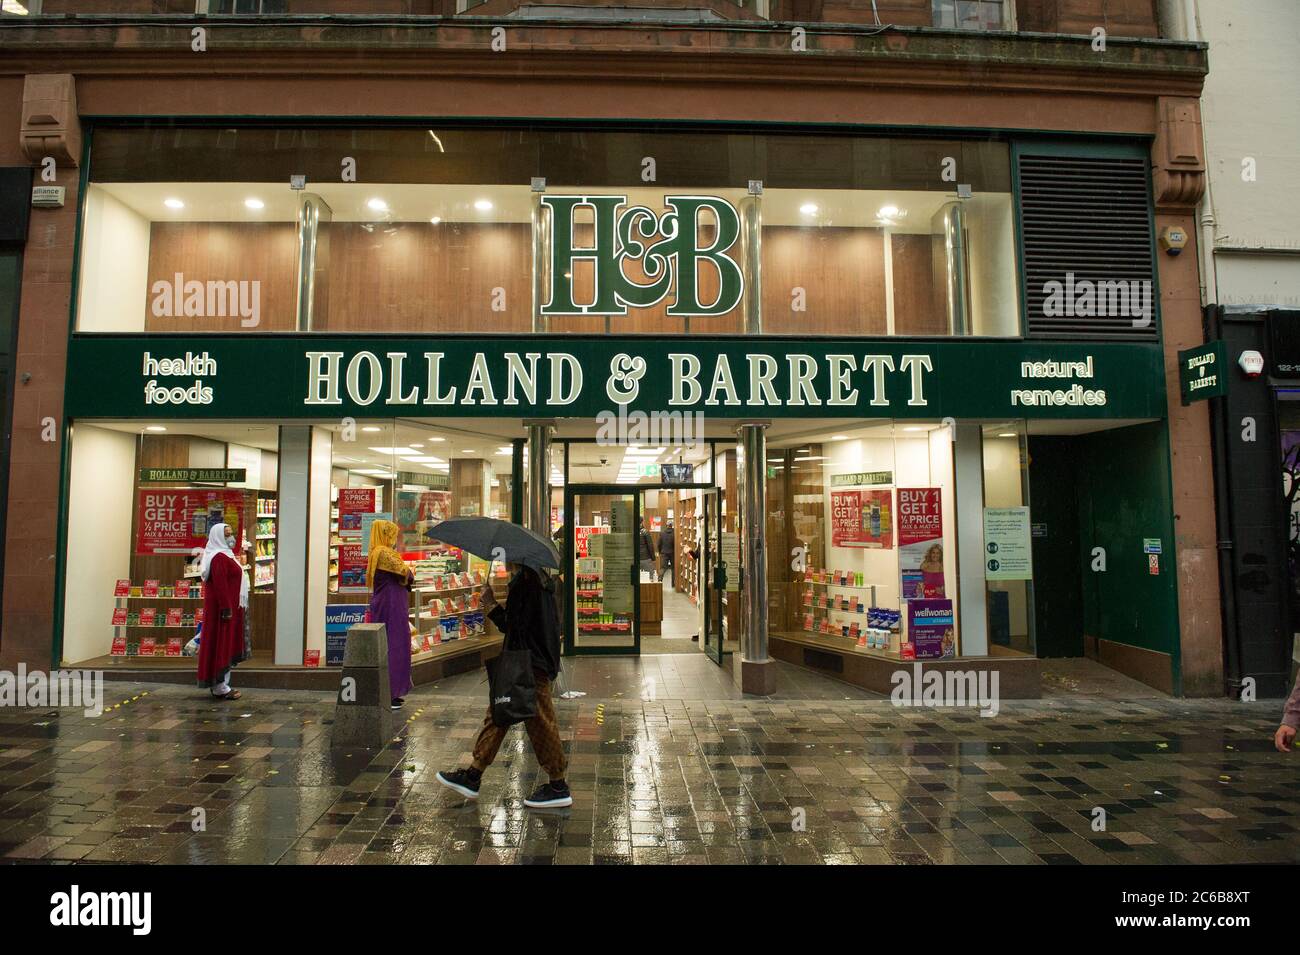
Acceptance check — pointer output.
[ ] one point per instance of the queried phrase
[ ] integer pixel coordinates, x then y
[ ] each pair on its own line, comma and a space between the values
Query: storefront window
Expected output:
510, 231
415, 476
862, 540
142, 498
871, 237
300, 498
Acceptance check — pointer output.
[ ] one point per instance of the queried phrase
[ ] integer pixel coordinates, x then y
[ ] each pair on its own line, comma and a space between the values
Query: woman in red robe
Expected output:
225, 604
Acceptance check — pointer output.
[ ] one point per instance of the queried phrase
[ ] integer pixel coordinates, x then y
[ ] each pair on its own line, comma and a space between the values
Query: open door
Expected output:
602, 569
719, 576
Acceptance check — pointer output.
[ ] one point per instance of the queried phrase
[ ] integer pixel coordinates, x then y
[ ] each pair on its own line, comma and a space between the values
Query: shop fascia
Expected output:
835, 380
305, 376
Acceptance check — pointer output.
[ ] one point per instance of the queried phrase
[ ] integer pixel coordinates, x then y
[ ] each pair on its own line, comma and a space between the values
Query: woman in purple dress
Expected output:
390, 587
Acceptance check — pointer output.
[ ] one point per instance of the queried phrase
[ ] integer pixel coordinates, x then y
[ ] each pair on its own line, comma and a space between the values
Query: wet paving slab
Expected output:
668, 764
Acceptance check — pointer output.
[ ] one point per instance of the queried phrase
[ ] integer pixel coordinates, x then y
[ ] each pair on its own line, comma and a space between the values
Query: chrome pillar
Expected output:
751, 230
312, 253
538, 514
541, 254
951, 223
754, 671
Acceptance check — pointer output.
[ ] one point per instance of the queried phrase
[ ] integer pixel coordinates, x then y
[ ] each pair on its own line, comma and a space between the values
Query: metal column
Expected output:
754, 671
541, 254
539, 476
951, 220
312, 254
751, 224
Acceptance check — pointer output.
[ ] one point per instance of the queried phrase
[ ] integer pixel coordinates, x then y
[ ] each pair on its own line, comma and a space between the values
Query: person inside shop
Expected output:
1284, 738
224, 639
530, 619
646, 550
667, 550
390, 601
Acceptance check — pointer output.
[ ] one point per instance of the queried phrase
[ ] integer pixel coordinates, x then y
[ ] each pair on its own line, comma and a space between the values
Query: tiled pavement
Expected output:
693, 775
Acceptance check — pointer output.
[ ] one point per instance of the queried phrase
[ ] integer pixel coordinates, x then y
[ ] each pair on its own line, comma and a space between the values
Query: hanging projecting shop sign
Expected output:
319, 376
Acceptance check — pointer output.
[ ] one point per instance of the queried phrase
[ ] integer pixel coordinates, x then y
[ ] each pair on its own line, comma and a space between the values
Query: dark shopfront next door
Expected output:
1058, 568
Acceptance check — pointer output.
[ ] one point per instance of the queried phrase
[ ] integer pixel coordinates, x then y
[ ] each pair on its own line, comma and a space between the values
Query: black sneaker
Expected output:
397, 703
550, 796
463, 781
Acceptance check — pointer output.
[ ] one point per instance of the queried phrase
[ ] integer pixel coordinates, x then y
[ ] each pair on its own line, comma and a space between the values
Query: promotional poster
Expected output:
862, 518
177, 520
920, 542
353, 502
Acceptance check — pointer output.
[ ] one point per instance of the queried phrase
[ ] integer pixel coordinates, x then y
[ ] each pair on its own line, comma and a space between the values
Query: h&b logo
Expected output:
668, 246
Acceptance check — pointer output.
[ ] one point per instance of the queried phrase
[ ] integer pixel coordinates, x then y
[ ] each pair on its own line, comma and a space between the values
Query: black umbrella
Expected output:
494, 539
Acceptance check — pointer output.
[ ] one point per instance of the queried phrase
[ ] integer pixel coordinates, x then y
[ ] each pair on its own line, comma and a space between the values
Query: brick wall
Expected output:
32, 508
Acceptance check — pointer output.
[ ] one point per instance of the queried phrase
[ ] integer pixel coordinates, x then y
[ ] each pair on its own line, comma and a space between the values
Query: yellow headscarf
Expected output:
383, 555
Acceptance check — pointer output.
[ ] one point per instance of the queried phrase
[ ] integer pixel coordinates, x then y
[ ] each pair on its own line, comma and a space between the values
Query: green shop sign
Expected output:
327, 376
668, 247
1202, 372
194, 475
862, 479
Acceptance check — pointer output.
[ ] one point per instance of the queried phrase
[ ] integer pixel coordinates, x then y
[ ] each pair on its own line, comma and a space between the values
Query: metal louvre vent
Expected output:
1086, 226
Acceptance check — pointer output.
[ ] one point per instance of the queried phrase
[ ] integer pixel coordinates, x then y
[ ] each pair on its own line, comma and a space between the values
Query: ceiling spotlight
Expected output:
173, 204
377, 205
155, 427
888, 212
482, 205
252, 203
435, 220
839, 437
809, 208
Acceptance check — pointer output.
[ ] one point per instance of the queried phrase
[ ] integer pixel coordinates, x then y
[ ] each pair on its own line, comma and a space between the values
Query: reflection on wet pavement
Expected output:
678, 769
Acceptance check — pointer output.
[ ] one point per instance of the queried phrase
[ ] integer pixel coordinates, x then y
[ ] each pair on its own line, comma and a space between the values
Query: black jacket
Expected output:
647, 545
667, 543
531, 619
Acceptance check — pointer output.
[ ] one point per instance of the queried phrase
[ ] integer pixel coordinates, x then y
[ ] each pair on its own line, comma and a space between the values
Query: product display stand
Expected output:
843, 605
588, 605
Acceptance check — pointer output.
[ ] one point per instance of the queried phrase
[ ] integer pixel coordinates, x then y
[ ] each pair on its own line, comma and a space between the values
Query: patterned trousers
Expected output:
543, 732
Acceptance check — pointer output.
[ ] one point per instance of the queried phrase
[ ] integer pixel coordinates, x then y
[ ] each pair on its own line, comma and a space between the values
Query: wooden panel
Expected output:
469, 477
919, 302
842, 273
224, 252
420, 277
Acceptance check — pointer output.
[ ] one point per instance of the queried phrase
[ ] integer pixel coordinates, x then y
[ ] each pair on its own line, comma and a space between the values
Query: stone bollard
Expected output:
362, 716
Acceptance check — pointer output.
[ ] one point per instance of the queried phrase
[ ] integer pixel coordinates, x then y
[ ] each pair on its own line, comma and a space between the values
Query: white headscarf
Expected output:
217, 545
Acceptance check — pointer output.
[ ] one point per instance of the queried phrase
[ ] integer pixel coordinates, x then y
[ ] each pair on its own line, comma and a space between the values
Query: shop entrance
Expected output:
644, 569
